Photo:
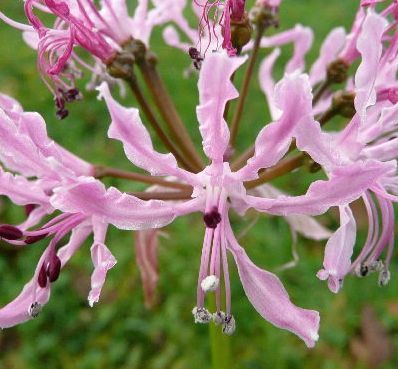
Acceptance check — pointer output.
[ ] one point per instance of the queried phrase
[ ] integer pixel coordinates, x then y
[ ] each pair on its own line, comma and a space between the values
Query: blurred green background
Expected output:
359, 326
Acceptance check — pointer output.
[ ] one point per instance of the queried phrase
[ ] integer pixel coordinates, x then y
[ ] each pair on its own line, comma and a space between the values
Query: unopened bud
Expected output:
210, 283
241, 32
337, 71
201, 315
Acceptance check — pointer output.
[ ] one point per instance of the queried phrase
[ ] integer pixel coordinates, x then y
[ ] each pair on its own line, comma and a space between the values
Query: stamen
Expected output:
33, 239
53, 268
10, 232
201, 315
34, 309
42, 277
384, 277
210, 283
219, 317
229, 325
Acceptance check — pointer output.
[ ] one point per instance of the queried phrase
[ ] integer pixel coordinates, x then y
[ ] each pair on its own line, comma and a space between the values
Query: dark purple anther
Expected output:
29, 208
213, 218
33, 239
54, 268
10, 232
72, 95
194, 53
62, 113
60, 102
42, 277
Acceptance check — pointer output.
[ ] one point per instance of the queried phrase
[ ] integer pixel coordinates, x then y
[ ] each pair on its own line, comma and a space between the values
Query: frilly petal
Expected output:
89, 197
369, 44
215, 89
268, 296
338, 251
293, 96
345, 185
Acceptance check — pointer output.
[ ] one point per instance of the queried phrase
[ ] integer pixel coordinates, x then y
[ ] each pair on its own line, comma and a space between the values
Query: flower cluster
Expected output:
64, 195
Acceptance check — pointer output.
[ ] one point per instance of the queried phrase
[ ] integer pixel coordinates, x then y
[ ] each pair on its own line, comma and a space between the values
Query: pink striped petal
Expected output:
338, 251
89, 197
271, 300
215, 90
345, 185
370, 46
274, 140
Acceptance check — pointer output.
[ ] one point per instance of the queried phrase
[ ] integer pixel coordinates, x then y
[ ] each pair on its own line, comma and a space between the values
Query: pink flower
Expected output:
46, 170
101, 31
217, 190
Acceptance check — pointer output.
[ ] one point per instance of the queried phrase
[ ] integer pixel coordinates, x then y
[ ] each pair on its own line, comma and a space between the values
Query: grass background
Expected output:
119, 332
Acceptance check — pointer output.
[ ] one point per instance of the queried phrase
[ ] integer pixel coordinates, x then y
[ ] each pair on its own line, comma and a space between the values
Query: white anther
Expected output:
201, 315
377, 266
34, 309
384, 277
229, 325
219, 317
210, 283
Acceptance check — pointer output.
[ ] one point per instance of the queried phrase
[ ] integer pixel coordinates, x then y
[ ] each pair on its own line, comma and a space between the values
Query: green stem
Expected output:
101, 172
245, 86
220, 344
135, 88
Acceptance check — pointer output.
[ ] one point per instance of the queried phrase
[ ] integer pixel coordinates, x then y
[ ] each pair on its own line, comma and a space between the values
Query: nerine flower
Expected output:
44, 169
217, 190
101, 31
368, 136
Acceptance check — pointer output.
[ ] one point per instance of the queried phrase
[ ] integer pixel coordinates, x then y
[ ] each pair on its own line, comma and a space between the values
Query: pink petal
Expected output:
127, 127
370, 46
22, 191
333, 44
89, 196
293, 96
267, 83
268, 296
345, 185
301, 38
146, 245
303, 224
215, 89
338, 251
